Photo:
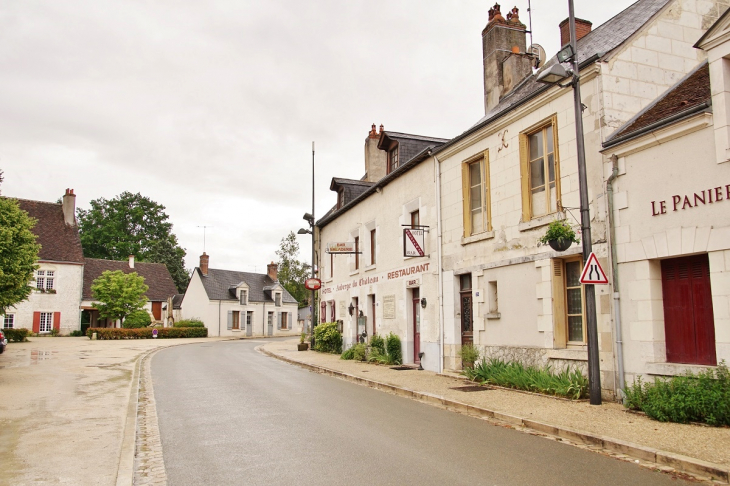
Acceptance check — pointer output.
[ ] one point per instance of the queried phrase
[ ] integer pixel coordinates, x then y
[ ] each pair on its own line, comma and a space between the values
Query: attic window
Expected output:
277, 299
393, 161
340, 198
243, 297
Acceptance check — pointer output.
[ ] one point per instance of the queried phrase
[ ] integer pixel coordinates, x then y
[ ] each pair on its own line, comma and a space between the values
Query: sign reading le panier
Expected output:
414, 242
341, 247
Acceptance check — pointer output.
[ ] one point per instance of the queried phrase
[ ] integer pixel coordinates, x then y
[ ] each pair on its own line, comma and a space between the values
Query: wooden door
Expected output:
467, 319
416, 326
157, 310
689, 322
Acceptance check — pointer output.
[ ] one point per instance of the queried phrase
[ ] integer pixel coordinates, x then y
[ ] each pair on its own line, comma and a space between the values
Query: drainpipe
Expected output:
440, 266
614, 272
219, 318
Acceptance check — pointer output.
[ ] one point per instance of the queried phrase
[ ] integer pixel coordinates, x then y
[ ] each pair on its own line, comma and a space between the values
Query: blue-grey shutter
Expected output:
289, 323
279, 321
230, 320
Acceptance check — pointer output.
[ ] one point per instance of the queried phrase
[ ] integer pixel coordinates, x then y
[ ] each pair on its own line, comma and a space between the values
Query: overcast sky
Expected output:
210, 108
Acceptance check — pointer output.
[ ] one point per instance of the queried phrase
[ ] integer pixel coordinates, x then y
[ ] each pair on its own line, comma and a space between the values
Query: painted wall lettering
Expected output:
686, 201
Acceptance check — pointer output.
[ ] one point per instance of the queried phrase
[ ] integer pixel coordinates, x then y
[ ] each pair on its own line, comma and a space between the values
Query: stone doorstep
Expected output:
656, 456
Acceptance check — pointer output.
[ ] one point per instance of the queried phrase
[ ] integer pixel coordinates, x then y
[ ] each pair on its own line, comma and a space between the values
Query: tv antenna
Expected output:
529, 18
204, 228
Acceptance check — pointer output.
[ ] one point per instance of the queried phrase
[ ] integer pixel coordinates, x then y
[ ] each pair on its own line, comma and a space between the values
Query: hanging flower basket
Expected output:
559, 235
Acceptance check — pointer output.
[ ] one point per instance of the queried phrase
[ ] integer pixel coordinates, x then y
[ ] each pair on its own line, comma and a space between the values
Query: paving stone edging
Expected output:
661, 458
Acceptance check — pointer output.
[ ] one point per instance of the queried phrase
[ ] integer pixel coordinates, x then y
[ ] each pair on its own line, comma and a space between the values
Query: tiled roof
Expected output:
219, 284
177, 301
598, 43
691, 92
156, 276
59, 242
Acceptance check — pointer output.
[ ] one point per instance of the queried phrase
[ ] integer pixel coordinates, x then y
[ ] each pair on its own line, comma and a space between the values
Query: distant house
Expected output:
156, 277
54, 302
233, 303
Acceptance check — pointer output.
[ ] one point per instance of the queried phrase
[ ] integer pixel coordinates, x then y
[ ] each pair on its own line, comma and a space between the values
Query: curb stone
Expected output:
660, 459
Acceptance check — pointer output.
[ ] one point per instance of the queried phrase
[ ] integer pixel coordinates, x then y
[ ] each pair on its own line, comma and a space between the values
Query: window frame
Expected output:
243, 297
393, 158
9, 319
527, 210
485, 193
357, 253
415, 218
561, 319
236, 320
373, 243
277, 299
40, 278
49, 318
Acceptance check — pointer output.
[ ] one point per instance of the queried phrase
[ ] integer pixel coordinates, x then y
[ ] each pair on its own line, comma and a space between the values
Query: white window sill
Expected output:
569, 354
370, 268
465, 240
236, 330
537, 222
494, 315
354, 272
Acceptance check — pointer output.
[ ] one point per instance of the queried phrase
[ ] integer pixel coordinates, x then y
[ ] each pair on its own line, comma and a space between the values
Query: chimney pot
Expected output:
582, 27
131, 261
68, 205
272, 271
373, 133
204, 259
381, 128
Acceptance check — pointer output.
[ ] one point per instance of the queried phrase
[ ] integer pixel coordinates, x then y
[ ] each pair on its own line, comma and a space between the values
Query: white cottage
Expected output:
233, 303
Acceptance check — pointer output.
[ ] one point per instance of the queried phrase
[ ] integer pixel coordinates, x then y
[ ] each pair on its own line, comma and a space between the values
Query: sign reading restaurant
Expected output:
373, 279
686, 201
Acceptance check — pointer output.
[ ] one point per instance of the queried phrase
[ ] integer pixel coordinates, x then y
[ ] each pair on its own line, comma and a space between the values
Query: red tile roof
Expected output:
59, 242
156, 276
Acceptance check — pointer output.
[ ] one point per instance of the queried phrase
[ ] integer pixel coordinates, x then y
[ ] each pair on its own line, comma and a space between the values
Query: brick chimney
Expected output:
504, 47
582, 27
68, 203
204, 264
376, 160
131, 261
272, 270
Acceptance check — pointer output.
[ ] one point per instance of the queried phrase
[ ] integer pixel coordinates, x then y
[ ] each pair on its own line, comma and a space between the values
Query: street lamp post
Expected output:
309, 218
554, 75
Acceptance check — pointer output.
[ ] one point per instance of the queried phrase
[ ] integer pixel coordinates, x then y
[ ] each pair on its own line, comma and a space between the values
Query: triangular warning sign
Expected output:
592, 272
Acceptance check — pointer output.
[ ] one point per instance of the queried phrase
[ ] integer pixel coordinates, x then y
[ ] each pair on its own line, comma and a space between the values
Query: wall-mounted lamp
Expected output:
423, 303
303, 231
351, 309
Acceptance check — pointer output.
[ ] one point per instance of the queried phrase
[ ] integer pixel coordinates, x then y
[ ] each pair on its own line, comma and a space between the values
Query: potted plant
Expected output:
303, 346
559, 235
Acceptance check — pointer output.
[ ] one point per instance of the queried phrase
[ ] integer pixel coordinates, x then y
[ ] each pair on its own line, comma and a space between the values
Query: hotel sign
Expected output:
413, 242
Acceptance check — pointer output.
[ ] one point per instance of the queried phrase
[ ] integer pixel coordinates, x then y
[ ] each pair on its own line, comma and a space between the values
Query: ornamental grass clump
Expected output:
358, 352
702, 397
568, 383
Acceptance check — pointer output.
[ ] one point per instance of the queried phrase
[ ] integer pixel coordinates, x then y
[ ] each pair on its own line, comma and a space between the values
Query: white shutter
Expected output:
230, 320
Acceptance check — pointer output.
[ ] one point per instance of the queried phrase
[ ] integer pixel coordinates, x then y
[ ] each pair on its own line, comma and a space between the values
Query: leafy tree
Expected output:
131, 224
292, 272
18, 253
118, 294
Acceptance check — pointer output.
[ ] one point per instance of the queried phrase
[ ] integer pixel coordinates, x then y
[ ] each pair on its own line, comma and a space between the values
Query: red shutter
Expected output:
57, 321
36, 322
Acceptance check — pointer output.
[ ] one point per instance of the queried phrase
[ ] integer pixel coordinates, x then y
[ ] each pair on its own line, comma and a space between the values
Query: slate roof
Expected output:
221, 284
688, 96
408, 145
597, 44
156, 276
177, 301
59, 242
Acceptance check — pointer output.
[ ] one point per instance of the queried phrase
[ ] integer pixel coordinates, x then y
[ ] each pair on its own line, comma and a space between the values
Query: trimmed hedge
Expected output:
146, 333
194, 322
327, 339
16, 335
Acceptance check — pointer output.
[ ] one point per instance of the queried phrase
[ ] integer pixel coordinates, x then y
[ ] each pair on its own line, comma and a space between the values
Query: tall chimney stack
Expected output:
504, 48
582, 27
272, 270
376, 160
68, 203
204, 264
131, 261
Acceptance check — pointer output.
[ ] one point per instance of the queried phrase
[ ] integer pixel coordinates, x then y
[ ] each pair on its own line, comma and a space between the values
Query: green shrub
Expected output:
17, 335
569, 383
469, 355
358, 352
137, 319
327, 339
377, 343
146, 333
393, 346
194, 322
348, 354
377, 356
76, 333
704, 397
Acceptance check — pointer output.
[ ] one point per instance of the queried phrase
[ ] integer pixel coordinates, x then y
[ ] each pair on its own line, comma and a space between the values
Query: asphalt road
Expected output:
229, 415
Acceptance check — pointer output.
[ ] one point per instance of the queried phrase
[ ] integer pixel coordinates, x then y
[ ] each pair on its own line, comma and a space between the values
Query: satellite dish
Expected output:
538, 52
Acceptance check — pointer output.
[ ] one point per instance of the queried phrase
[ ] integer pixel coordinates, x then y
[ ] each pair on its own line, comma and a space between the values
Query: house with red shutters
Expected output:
54, 301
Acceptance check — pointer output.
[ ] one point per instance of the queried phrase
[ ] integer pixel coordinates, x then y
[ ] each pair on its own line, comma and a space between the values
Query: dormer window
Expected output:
393, 161
277, 299
340, 198
243, 297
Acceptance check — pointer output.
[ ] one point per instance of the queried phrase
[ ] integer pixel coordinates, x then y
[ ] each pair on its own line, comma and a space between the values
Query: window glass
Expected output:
574, 301
543, 193
465, 281
9, 321
46, 321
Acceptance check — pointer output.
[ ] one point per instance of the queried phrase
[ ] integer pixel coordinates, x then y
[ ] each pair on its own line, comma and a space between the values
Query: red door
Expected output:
688, 319
157, 310
416, 326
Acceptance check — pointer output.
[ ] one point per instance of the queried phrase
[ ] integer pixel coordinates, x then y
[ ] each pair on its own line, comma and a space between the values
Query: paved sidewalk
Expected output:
691, 448
65, 409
